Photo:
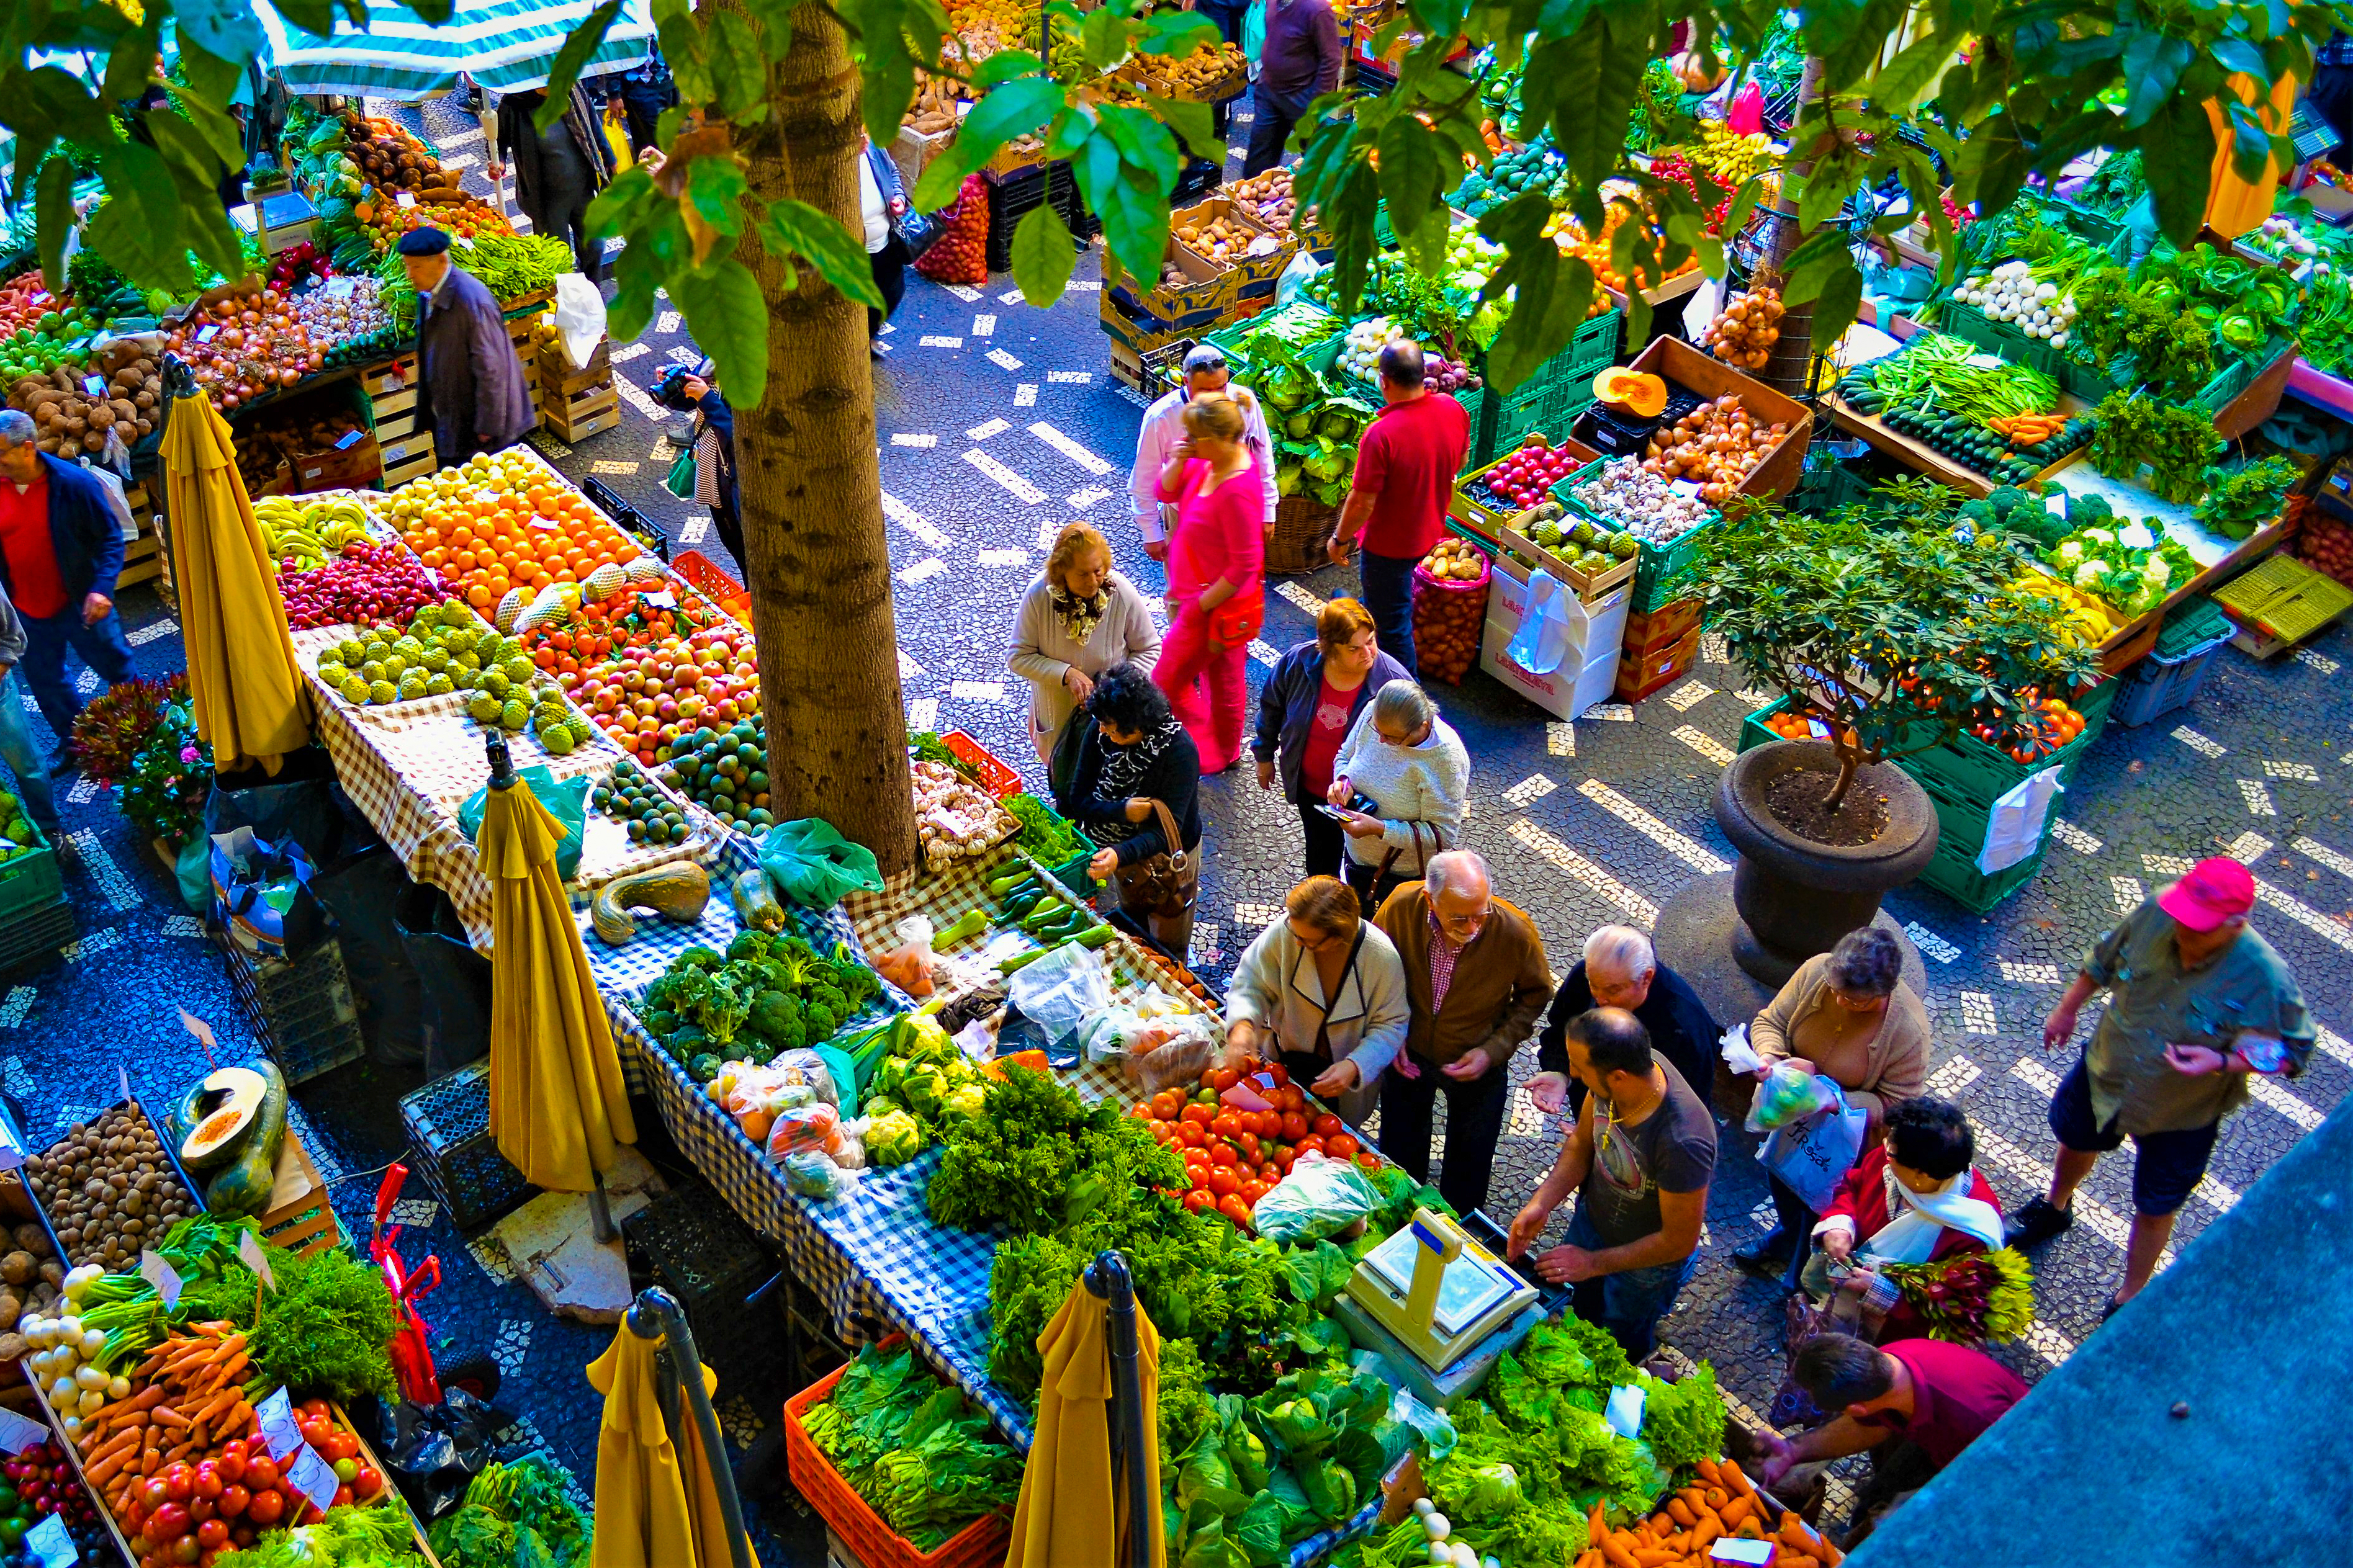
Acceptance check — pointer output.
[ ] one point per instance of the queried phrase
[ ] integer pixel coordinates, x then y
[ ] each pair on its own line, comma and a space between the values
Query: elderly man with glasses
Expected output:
1205, 374
1476, 977
1620, 969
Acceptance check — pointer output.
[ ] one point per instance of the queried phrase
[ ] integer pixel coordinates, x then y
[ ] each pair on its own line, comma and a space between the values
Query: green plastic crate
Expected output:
31, 882
2239, 375
1479, 410
1662, 572
1561, 388
1966, 772
1956, 877
2195, 620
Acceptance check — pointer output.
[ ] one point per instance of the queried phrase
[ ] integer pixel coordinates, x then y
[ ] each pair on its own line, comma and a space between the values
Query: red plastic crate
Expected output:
714, 583
980, 1544
994, 777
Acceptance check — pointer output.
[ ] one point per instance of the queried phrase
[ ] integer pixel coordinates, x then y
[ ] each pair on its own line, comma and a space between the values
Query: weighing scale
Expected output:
1440, 1305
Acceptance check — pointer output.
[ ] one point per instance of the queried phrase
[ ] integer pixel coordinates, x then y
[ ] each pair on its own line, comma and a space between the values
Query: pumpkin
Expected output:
1638, 392
1695, 72
230, 1129
679, 890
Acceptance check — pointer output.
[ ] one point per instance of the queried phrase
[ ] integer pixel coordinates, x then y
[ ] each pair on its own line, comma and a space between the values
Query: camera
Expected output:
669, 387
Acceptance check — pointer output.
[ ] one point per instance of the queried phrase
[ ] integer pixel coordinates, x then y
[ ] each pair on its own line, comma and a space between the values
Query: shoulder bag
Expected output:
1379, 875
1165, 884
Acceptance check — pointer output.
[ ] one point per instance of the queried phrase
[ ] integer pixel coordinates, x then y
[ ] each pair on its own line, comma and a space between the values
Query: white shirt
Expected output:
872, 207
1163, 426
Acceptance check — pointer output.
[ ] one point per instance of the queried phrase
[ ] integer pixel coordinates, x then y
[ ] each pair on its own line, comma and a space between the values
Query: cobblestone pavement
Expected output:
996, 424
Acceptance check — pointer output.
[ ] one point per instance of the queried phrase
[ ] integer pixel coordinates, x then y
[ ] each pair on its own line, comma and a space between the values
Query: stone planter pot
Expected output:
1795, 898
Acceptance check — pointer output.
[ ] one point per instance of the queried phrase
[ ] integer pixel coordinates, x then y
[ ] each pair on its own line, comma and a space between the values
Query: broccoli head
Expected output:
1980, 512
696, 957
748, 944
781, 1018
2005, 500
830, 998
2087, 510
823, 1021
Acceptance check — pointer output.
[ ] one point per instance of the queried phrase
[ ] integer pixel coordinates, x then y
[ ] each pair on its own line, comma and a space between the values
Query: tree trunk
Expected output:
812, 491
1790, 363
1848, 765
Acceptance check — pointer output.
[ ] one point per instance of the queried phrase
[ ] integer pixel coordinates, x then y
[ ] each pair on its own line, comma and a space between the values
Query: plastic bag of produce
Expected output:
812, 1174
1320, 1197
961, 253
811, 1126
1060, 992
815, 865
1449, 618
1787, 1095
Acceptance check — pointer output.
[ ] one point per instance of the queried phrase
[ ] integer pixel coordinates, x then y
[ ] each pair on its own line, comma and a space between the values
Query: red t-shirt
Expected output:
37, 589
1324, 733
1957, 1394
1406, 461
1221, 535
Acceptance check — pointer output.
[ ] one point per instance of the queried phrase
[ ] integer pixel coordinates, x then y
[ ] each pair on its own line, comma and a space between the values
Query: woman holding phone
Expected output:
1400, 788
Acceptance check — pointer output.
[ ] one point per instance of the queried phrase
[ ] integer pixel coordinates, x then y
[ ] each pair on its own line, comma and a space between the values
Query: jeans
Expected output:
1630, 1302
1388, 595
24, 757
890, 267
1270, 124
1208, 686
1796, 1223
101, 648
1474, 1120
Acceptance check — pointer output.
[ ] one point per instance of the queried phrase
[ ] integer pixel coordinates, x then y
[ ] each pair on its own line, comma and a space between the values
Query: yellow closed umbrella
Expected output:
250, 699
659, 1501
1075, 1504
558, 1106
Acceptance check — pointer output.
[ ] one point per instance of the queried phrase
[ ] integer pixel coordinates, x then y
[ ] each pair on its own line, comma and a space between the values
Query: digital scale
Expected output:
1440, 1305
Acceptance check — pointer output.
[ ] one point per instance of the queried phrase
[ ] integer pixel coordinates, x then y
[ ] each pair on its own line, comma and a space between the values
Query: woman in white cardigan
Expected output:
1412, 766
1079, 618
1324, 991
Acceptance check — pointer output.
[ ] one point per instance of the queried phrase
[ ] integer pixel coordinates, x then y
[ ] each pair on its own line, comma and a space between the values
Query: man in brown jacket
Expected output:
1476, 975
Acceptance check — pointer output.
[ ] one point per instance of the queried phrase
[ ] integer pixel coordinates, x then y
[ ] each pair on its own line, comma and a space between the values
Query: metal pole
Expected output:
1108, 1277
656, 1315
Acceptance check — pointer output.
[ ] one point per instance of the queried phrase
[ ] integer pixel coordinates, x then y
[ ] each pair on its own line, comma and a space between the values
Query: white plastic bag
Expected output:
1302, 271
1551, 628
111, 483
579, 318
1737, 1053
1320, 1197
2014, 827
1061, 991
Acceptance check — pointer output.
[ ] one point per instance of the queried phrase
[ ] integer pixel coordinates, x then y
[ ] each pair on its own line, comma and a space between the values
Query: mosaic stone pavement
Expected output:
998, 423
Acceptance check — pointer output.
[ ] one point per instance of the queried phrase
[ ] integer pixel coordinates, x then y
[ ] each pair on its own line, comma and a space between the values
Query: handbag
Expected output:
1380, 873
1234, 623
918, 233
1167, 883
679, 480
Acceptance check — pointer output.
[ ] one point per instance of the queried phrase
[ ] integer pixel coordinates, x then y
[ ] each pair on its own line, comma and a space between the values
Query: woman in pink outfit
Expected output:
1217, 560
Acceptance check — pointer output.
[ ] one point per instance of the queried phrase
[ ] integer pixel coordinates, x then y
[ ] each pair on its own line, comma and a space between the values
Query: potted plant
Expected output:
1895, 629
140, 739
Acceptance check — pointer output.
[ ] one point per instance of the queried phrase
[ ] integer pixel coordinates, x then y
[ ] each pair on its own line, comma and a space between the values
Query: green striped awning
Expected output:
506, 45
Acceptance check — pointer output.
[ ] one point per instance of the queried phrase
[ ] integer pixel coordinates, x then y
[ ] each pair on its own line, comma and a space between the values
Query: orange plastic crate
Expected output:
994, 777
714, 583
980, 1544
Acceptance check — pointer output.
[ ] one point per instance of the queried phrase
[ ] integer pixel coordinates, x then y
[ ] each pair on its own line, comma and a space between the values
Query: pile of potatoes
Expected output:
1200, 75
31, 1279
72, 421
110, 1190
1266, 197
1223, 240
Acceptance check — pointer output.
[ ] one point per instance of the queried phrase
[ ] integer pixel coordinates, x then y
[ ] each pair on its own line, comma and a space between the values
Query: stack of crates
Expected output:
34, 918
302, 1009
1661, 647
1012, 195
2281, 603
2191, 639
691, 1244
449, 1143
1560, 390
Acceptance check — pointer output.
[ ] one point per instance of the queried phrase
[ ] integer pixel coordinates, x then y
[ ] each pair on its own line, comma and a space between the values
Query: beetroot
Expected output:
367, 582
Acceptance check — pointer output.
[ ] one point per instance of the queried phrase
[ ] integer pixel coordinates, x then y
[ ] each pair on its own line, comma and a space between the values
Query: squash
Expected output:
678, 890
755, 902
1694, 73
213, 1119
1638, 392
244, 1186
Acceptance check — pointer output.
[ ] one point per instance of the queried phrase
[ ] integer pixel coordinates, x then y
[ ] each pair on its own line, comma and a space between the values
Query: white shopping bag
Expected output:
2014, 827
1551, 629
579, 318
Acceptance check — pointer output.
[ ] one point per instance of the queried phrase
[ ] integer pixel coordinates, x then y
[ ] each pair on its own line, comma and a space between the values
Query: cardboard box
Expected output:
1208, 289
1590, 672
1268, 265
1685, 366
1659, 668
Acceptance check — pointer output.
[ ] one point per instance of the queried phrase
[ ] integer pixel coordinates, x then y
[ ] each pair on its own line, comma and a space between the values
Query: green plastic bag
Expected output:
567, 802
815, 865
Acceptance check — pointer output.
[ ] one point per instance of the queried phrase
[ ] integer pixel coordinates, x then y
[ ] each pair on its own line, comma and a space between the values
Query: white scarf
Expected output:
1910, 1235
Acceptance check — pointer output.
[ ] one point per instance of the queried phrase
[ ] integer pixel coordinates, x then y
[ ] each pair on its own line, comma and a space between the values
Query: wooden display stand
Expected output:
299, 1218
1679, 364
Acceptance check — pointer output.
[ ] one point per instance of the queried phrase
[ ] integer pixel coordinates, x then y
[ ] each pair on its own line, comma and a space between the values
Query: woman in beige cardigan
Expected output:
1079, 618
1848, 1015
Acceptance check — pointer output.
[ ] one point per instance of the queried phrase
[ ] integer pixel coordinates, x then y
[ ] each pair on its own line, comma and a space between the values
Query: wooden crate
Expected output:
395, 374
142, 561
1588, 588
1685, 366
556, 372
409, 457
583, 414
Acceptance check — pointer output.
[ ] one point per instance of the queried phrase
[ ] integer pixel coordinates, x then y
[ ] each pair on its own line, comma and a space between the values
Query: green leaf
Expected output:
1586, 85
1044, 252
621, 206
1412, 170
1193, 125
2152, 64
2177, 150
775, 19
943, 176
636, 276
725, 314
1898, 85
1011, 109
53, 205
65, 104
224, 29
1145, 145
150, 256
579, 45
739, 68
685, 48
178, 141
1175, 34
820, 239
127, 70
1834, 307
716, 186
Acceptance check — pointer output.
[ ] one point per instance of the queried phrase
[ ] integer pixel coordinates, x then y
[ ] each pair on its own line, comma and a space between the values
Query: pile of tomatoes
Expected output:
192, 1513
1232, 1156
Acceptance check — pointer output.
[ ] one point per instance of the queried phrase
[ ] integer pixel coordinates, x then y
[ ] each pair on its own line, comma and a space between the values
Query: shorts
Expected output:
2166, 1166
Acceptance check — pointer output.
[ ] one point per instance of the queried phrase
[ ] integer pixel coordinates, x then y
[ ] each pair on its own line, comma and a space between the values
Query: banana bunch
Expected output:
2089, 622
1729, 156
310, 531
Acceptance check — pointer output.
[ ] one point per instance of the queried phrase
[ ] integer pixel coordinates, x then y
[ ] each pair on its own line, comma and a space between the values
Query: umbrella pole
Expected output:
656, 1315
1108, 1277
179, 381
600, 1213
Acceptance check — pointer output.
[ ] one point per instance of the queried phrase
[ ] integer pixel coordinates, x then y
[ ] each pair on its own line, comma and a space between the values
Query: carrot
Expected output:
1615, 1550
221, 1404
1708, 1472
151, 1461
1656, 1556
1711, 1528
170, 1417
1794, 1533
1680, 1513
1595, 1530
1717, 1497
1589, 1558
1735, 1512
1735, 1480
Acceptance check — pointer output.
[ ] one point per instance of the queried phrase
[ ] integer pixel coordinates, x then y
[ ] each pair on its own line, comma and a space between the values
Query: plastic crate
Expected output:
1561, 388
693, 1245
999, 780
1011, 197
1663, 572
448, 1123
1480, 449
1975, 771
36, 934
2162, 683
1956, 877
714, 583
303, 1009
2190, 626
980, 1544
30, 883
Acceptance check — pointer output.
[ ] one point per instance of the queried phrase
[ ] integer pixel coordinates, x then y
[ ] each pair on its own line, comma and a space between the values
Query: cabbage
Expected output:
1488, 1492
1326, 462
1299, 426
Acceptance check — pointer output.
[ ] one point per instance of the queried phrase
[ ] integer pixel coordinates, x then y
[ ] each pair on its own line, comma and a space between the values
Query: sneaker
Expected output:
1766, 1256
2035, 1224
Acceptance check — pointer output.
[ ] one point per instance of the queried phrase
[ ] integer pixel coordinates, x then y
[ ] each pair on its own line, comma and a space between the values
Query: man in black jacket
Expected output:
558, 171
60, 552
1620, 969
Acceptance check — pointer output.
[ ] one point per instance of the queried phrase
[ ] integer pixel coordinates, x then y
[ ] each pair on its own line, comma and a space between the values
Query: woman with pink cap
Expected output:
2197, 1001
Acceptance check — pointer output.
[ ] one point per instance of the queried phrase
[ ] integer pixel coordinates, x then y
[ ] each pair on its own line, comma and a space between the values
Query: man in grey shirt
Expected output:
17, 747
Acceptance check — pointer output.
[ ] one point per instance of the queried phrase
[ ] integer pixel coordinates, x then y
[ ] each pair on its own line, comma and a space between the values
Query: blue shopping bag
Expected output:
262, 895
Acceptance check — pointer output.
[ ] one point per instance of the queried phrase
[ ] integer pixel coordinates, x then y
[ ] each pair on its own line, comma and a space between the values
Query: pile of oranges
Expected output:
503, 522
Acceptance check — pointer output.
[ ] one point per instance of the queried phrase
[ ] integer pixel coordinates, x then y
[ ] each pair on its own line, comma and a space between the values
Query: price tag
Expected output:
161, 1275
2055, 503
205, 334
11, 1155
404, 200
19, 1433
313, 1477
1625, 1412
538, 522
661, 600
277, 1425
94, 384
1685, 488
337, 288
350, 439
250, 1252
201, 1031
52, 1543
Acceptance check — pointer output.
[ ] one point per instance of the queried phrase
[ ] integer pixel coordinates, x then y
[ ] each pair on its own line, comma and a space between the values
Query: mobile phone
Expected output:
1333, 812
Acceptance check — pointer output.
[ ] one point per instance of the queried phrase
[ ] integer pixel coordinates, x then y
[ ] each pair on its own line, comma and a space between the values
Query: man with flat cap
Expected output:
1206, 375
469, 389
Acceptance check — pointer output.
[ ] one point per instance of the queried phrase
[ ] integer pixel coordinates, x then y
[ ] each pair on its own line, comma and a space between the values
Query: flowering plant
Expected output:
1975, 1298
118, 724
170, 779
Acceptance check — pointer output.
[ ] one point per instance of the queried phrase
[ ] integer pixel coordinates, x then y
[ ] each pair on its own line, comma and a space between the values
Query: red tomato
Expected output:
1248, 1144
1311, 1144
1222, 1154
1226, 1125
1200, 1198
185, 1550
367, 1483
179, 1483
343, 1497
1224, 1182
152, 1494
1369, 1162
1253, 1191
1327, 1124
1167, 1105
342, 1445
1140, 1110
200, 1508
1280, 1074
1164, 1132
233, 1500
1234, 1209
1269, 1172
1284, 1159
212, 1533
315, 1407
1224, 1079
261, 1475
168, 1523
1340, 1146
1294, 1126
1197, 1176
1199, 1114
208, 1482
1191, 1134
1291, 1098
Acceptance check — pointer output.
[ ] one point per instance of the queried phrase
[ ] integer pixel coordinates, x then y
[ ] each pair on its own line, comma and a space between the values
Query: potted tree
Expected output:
1891, 632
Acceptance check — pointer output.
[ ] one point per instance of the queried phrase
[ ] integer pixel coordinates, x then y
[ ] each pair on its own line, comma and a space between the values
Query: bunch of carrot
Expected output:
2028, 429
1693, 1521
191, 1400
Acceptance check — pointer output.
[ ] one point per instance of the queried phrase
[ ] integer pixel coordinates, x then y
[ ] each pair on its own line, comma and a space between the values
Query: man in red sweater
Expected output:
60, 552
1406, 466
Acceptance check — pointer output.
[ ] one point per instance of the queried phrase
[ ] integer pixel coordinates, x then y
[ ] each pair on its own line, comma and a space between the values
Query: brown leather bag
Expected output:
1166, 884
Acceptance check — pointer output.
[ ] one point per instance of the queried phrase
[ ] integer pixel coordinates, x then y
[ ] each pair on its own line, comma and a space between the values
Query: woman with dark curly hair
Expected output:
1134, 789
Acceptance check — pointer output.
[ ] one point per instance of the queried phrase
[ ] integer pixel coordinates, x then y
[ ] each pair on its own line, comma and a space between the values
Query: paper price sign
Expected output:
94, 384
12, 1154
314, 1477
251, 1253
51, 1542
278, 1427
162, 1276
404, 200
19, 1433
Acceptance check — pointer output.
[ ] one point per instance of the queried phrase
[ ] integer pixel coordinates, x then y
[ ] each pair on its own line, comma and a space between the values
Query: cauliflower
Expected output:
2136, 536
2087, 576
2071, 553
2100, 538
2156, 572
